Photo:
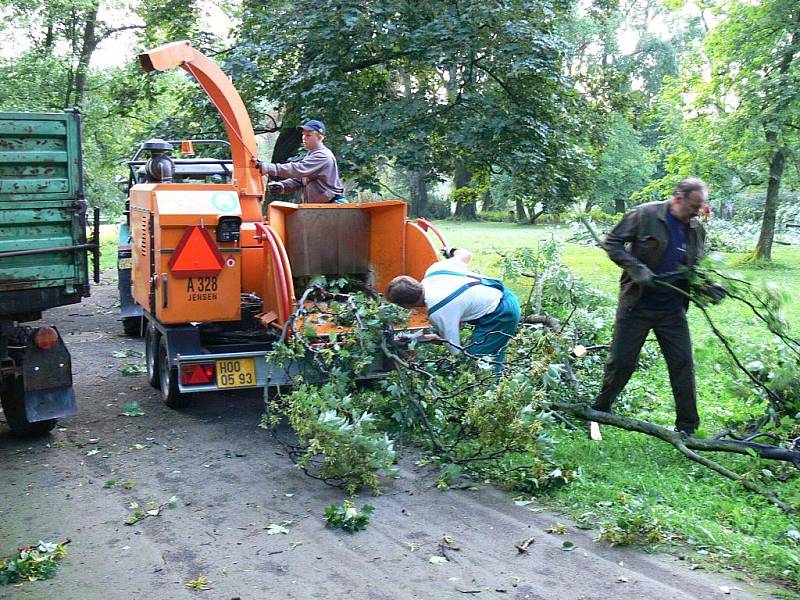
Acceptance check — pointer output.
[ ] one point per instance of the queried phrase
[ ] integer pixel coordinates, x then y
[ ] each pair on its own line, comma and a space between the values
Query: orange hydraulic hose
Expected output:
280, 274
286, 266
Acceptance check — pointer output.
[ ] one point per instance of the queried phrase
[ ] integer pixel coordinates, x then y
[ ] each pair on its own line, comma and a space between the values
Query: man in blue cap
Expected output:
317, 173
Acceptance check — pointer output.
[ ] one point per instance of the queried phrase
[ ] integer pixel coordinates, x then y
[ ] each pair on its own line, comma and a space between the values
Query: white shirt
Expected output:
477, 301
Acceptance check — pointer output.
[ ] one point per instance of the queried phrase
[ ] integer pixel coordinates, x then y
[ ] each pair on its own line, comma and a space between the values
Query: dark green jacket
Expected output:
640, 239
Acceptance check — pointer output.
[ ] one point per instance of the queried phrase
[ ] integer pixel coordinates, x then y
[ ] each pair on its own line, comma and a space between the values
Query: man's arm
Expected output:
312, 164
448, 330
286, 185
614, 245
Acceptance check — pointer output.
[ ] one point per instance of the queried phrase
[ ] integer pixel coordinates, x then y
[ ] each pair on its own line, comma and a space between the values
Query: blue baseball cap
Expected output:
314, 125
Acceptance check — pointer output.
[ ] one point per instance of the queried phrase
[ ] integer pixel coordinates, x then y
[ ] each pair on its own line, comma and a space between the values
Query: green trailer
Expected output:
43, 262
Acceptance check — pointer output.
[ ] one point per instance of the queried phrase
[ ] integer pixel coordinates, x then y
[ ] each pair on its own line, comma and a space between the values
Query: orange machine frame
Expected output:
396, 246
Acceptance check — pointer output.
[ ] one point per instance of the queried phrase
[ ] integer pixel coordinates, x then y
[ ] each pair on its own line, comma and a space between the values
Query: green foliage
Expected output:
496, 216
735, 126
601, 217
425, 86
200, 584
474, 425
348, 516
132, 408
335, 422
342, 433
32, 563
722, 236
634, 524
624, 166
584, 313
710, 521
466, 195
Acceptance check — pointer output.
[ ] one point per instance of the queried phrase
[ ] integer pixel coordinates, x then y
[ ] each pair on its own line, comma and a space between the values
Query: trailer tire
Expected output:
151, 339
13, 400
168, 376
133, 326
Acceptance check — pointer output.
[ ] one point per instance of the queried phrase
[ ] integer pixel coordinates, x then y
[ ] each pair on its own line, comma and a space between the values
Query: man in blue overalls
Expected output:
454, 295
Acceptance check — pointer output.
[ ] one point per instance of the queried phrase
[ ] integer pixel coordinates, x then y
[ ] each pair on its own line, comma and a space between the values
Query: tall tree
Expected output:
740, 119
69, 29
485, 81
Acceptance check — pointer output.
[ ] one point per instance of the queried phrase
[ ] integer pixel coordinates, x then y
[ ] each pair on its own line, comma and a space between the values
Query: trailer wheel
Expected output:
151, 338
133, 326
168, 376
13, 400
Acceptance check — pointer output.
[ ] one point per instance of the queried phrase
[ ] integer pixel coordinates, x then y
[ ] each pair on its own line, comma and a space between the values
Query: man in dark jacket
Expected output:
317, 173
655, 239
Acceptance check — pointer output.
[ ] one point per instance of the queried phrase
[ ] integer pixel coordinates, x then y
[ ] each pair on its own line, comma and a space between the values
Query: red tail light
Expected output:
197, 373
45, 338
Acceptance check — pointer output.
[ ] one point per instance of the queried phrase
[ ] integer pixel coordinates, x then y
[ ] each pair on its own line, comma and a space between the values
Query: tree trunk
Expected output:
466, 211
286, 146
88, 46
535, 216
619, 204
289, 140
487, 202
522, 216
763, 249
418, 184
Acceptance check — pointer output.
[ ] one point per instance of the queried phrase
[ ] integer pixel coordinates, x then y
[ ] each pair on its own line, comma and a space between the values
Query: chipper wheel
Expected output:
151, 338
168, 377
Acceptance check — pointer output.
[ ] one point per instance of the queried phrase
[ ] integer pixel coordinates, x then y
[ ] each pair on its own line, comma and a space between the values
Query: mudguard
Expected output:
47, 383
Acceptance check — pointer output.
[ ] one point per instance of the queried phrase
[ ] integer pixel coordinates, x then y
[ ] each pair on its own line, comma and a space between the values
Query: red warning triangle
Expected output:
198, 376
196, 255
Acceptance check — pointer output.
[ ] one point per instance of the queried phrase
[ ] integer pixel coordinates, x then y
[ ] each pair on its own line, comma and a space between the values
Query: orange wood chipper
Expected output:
216, 279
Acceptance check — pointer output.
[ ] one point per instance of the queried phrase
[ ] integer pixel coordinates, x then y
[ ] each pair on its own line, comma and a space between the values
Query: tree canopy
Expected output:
533, 104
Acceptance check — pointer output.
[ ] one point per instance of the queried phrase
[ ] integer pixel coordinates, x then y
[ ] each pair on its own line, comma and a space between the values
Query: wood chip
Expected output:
523, 547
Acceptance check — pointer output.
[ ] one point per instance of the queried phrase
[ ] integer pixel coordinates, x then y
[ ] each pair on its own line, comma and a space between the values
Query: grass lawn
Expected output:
710, 520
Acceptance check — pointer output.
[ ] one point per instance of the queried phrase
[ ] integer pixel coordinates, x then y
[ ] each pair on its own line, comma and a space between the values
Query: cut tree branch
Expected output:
687, 445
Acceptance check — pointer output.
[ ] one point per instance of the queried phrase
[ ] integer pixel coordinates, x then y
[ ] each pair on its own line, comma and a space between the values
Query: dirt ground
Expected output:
234, 480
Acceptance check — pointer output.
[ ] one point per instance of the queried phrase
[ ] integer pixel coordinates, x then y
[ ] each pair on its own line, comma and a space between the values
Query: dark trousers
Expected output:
672, 332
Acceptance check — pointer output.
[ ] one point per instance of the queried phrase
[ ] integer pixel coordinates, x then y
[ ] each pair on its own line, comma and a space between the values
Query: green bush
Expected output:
497, 216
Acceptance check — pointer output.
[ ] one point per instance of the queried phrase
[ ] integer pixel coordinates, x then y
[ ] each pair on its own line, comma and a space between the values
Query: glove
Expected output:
716, 293
448, 251
260, 166
276, 187
642, 275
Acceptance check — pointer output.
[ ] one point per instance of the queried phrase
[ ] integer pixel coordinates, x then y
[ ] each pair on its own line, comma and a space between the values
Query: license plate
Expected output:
125, 263
236, 372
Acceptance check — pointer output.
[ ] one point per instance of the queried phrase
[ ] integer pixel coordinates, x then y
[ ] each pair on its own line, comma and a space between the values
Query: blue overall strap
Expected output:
453, 295
492, 283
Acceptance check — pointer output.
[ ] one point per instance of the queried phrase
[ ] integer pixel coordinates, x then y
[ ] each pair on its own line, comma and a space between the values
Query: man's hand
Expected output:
262, 168
642, 275
716, 293
276, 187
430, 338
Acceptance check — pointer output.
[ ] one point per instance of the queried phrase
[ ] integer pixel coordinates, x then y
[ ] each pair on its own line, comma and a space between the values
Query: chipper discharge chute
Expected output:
216, 279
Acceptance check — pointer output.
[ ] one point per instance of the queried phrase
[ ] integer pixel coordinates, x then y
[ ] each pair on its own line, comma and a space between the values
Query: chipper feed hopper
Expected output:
216, 279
